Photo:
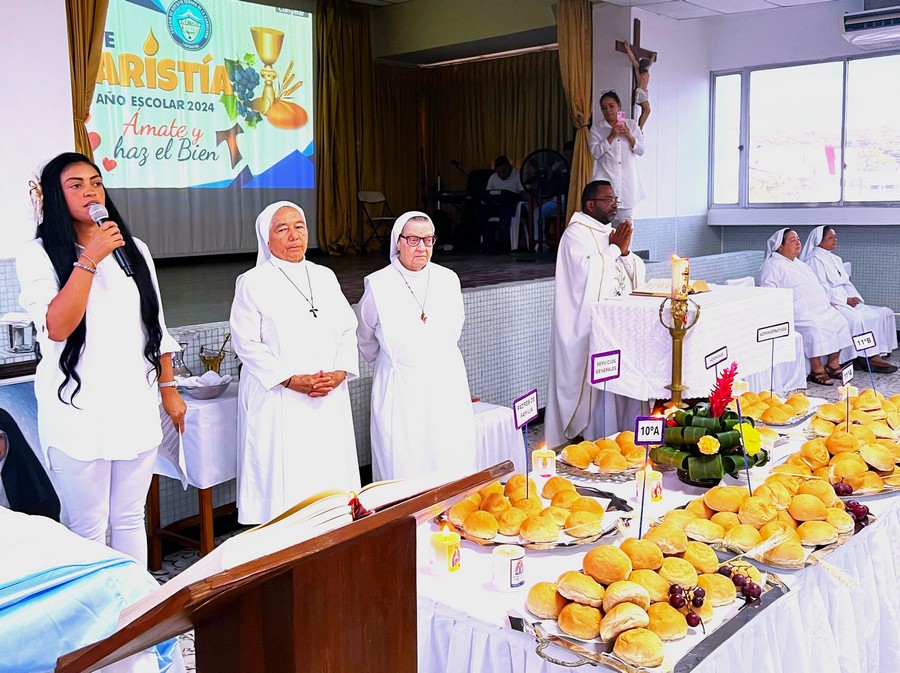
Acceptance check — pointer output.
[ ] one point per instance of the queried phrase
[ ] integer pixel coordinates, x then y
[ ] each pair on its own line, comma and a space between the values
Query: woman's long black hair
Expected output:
57, 233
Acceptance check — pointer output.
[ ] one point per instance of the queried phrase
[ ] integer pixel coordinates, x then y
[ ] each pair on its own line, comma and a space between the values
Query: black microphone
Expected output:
99, 214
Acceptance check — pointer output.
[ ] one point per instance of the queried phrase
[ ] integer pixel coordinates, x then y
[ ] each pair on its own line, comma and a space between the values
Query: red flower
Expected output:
721, 395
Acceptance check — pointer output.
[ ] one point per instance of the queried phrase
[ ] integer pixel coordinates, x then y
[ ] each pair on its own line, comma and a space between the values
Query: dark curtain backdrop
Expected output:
469, 112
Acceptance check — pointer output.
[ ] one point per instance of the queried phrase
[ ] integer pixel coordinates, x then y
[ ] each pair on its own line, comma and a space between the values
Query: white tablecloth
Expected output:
729, 316
207, 453
496, 437
819, 626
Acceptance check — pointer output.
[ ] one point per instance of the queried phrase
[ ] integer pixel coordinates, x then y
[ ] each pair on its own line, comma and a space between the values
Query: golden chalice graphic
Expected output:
268, 43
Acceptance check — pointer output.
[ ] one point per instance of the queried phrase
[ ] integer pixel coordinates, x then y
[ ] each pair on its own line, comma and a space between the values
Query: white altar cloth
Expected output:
729, 316
819, 626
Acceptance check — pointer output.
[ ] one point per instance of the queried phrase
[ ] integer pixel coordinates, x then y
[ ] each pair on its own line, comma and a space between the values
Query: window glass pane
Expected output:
873, 130
795, 134
726, 138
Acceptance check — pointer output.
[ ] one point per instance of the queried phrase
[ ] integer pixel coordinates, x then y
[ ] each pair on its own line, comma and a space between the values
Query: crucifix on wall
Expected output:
641, 60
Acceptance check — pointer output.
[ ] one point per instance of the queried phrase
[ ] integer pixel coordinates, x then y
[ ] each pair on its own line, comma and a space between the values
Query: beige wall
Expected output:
426, 24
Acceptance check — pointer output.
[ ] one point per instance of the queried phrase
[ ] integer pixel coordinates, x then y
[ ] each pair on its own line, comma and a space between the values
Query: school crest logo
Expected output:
189, 24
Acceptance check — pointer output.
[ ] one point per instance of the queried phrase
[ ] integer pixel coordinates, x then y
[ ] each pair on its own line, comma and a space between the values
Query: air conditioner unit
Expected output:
875, 29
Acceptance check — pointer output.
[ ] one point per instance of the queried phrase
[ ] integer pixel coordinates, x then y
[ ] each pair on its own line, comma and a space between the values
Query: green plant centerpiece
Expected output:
709, 440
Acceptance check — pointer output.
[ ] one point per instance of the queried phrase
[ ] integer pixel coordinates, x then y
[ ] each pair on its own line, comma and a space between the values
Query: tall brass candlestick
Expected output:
677, 330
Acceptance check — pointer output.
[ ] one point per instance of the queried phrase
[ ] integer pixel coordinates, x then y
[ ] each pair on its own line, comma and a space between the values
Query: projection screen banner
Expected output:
201, 116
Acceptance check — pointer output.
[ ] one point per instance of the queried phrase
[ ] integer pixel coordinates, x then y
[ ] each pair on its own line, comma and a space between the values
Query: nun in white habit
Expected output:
295, 334
410, 320
823, 329
818, 254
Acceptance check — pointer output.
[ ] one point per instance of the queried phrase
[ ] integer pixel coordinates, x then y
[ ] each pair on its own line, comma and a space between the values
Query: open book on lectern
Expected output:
662, 287
319, 514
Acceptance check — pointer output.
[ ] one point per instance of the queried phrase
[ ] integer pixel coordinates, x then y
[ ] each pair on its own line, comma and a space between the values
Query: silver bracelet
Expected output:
167, 384
79, 265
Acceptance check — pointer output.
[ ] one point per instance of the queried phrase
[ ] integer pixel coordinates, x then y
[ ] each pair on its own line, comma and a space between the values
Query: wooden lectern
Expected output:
344, 601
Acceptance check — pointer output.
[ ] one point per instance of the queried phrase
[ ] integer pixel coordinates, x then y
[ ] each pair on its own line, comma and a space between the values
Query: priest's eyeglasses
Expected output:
413, 241
608, 199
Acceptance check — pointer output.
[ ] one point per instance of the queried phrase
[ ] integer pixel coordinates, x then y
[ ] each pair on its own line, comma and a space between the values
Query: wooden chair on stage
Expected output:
343, 601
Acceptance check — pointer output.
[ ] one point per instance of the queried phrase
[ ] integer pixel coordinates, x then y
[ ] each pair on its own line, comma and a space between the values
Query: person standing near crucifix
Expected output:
295, 334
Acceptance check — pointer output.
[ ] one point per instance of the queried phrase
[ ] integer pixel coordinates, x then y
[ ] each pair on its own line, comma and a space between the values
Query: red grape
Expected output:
738, 579
693, 619
697, 601
675, 590
725, 570
699, 592
677, 601
753, 590
858, 526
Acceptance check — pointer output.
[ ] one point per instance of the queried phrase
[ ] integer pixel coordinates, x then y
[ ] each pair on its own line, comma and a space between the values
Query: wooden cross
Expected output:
638, 51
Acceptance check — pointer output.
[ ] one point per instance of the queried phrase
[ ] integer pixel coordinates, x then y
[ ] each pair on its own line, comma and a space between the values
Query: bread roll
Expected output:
865, 434
821, 426
580, 621
788, 554
775, 416
607, 564
744, 537
882, 430
576, 455
657, 588
495, 503
625, 438
699, 508
786, 480
867, 482
531, 506
580, 588
590, 447
757, 511
639, 647
840, 441
704, 531
605, 443
727, 520
538, 528
584, 524
878, 457
823, 490
565, 499
779, 528
679, 517
842, 522
622, 617
557, 514
625, 591
676, 570
666, 622
805, 507
611, 462
815, 533
516, 485
720, 590
634, 456
587, 504
544, 600
767, 435
799, 402
510, 520
481, 524
701, 556
815, 453
556, 484
644, 554
831, 412
867, 400
775, 493
670, 539
460, 511
724, 498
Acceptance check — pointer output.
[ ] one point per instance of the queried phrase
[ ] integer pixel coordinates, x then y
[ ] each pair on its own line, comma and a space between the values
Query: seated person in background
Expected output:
503, 205
823, 329
818, 254
295, 334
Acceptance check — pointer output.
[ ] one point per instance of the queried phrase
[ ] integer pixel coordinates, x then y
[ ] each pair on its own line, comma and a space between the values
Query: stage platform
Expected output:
199, 290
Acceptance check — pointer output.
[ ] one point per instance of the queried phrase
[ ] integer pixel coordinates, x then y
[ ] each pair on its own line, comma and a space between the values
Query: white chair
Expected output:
746, 281
518, 221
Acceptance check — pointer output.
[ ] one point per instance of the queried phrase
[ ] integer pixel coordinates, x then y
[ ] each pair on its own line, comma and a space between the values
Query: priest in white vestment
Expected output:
295, 334
823, 329
593, 263
818, 254
410, 320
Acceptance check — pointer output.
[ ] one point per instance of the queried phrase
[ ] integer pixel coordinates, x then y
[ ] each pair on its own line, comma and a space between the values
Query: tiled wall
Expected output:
689, 236
872, 250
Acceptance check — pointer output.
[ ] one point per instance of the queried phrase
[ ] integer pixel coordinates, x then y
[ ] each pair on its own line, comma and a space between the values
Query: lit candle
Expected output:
847, 391
654, 483
508, 562
681, 277
543, 462
445, 551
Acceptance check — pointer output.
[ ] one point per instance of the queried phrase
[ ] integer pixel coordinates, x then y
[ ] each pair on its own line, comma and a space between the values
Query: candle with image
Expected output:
681, 277
445, 551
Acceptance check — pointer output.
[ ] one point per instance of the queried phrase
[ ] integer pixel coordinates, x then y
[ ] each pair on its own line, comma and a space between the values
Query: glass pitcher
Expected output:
180, 369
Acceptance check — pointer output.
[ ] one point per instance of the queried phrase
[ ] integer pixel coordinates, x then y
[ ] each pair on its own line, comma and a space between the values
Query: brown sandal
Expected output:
821, 378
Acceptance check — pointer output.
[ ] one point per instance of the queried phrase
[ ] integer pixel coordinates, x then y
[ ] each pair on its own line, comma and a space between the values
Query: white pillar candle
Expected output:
508, 563
681, 277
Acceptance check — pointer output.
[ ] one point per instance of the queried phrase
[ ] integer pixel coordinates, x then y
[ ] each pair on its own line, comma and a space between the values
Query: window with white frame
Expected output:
821, 133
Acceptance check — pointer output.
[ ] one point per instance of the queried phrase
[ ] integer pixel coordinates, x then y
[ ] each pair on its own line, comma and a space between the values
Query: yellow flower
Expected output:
709, 445
751, 437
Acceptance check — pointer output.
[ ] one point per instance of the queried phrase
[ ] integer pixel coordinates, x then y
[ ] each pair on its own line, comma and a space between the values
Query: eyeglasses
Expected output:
413, 241
607, 199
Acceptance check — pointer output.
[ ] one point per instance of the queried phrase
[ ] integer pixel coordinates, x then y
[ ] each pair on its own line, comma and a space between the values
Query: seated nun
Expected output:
410, 320
823, 329
295, 334
818, 254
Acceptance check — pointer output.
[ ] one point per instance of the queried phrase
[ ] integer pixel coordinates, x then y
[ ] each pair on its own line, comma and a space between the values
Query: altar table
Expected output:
821, 625
729, 316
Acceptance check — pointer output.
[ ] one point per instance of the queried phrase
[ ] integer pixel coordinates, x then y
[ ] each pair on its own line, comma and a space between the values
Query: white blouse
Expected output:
115, 415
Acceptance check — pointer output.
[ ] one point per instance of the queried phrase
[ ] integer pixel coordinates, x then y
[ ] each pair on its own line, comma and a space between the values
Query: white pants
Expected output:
101, 494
